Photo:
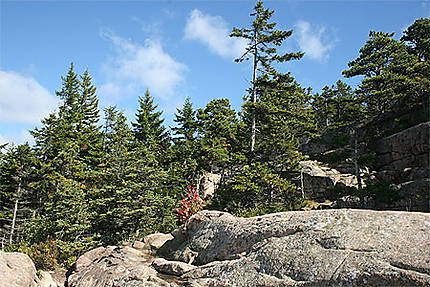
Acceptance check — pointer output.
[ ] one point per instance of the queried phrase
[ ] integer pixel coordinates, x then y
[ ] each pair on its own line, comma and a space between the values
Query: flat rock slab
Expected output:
305, 248
172, 267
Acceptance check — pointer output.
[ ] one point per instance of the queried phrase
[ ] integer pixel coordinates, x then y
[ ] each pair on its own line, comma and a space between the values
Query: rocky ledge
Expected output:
342, 247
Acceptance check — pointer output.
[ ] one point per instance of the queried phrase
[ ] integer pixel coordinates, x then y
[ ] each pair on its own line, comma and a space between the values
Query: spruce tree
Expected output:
183, 164
148, 128
186, 122
18, 197
217, 132
263, 41
284, 117
337, 106
69, 144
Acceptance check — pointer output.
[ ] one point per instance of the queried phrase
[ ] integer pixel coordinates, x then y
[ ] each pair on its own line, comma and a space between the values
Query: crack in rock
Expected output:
409, 268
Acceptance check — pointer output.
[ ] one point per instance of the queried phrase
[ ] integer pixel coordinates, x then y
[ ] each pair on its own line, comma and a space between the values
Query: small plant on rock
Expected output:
189, 205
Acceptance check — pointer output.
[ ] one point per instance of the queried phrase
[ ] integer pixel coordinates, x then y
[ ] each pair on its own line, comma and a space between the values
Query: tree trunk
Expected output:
15, 211
357, 168
254, 92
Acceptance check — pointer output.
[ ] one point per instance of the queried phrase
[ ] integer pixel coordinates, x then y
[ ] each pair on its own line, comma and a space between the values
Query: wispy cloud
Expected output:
213, 31
23, 99
138, 66
152, 28
313, 41
18, 137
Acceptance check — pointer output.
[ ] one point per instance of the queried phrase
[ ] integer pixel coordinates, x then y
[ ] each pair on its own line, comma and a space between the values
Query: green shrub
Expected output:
339, 191
331, 157
43, 254
382, 192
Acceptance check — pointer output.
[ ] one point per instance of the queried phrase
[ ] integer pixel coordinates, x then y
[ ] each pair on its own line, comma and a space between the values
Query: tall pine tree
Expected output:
263, 41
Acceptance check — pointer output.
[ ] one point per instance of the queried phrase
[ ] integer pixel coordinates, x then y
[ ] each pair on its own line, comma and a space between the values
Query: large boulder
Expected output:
116, 266
315, 248
17, 270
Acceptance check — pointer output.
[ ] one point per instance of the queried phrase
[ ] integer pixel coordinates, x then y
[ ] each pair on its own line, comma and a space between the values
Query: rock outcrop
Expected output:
316, 248
128, 266
17, 270
400, 159
208, 183
405, 152
317, 179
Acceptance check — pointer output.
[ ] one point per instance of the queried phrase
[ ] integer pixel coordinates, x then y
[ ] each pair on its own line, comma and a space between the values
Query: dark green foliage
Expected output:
382, 192
185, 119
148, 128
263, 41
340, 190
217, 125
395, 77
256, 189
284, 116
418, 37
336, 107
183, 154
18, 198
331, 157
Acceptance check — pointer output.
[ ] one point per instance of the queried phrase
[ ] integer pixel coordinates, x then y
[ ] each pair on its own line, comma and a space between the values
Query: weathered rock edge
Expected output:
305, 248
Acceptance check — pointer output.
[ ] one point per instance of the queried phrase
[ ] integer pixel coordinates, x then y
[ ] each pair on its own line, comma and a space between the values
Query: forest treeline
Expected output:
93, 179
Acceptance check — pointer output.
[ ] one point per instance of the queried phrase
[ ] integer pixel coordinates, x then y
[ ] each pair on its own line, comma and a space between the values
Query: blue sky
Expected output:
174, 48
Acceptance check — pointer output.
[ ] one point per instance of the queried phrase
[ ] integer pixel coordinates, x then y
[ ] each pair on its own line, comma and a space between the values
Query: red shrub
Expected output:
190, 205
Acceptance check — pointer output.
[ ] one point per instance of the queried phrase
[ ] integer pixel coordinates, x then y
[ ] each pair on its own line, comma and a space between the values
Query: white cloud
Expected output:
137, 67
18, 137
213, 32
313, 42
3, 140
23, 99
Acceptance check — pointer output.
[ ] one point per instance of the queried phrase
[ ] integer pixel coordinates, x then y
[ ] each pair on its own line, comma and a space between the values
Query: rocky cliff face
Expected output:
401, 159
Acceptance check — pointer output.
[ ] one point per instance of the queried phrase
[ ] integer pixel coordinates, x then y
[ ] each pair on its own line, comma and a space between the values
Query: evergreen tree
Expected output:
262, 42
285, 117
418, 37
69, 145
148, 128
87, 122
416, 73
394, 80
336, 107
186, 122
183, 155
18, 198
217, 131
379, 53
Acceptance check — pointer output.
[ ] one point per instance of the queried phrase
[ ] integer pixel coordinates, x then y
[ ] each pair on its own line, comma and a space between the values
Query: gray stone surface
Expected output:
116, 266
406, 149
156, 240
17, 270
316, 248
171, 267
